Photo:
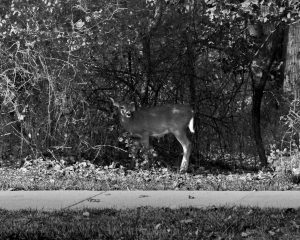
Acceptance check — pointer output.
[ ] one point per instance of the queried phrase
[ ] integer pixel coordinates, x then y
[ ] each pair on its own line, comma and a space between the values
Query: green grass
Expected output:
152, 223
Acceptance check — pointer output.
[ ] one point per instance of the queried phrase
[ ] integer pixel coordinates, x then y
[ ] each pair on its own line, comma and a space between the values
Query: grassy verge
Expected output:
152, 223
54, 175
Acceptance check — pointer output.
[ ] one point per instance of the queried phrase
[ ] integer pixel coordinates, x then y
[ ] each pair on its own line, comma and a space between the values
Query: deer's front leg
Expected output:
145, 149
145, 140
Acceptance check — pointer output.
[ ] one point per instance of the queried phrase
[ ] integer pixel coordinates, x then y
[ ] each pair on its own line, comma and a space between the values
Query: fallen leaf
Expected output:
143, 196
272, 233
94, 200
86, 214
247, 233
250, 212
186, 221
244, 234
157, 226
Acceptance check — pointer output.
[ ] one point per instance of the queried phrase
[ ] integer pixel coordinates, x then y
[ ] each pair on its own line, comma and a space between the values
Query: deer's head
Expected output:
125, 109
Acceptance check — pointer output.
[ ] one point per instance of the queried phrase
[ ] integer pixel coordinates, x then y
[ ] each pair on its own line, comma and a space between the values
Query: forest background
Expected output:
62, 60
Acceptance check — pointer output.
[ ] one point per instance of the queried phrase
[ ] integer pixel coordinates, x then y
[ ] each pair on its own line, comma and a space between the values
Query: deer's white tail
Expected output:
191, 125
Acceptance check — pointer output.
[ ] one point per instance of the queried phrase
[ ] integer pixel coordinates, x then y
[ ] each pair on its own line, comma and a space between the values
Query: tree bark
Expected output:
191, 59
267, 59
146, 35
258, 92
147, 66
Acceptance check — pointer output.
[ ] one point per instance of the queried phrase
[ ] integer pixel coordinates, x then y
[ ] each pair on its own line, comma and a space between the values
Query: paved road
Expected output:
56, 200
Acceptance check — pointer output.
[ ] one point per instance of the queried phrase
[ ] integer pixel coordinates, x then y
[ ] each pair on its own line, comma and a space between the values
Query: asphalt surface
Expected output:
59, 200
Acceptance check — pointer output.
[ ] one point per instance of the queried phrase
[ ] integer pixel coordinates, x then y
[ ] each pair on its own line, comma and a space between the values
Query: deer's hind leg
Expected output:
145, 151
186, 146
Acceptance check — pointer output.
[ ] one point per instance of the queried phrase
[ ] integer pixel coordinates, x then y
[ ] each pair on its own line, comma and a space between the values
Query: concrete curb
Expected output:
58, 200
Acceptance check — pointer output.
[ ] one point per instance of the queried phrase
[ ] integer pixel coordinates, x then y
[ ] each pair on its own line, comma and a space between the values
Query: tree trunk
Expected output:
266, 61
191, 60
146, 42
147, 66
258, 91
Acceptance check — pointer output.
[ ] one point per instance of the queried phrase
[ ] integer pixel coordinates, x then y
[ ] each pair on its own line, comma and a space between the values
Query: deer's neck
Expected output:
126, 122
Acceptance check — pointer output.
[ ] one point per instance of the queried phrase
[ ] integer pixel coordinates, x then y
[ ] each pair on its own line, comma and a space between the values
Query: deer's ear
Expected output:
132, 107
114, 103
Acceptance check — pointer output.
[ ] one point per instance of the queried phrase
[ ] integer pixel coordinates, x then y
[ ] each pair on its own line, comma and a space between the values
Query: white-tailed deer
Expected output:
158, 121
